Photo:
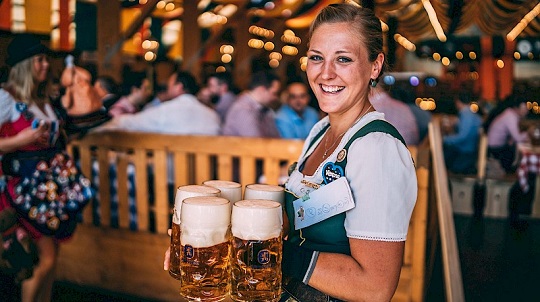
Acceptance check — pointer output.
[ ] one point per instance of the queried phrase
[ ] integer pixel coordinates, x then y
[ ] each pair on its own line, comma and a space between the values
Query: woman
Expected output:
357, 254
31, 158
354, 255
502, 126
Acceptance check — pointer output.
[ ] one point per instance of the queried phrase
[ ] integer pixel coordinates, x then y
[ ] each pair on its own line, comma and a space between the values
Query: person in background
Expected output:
183, 114
397, 113
205, 96
18, 254
295, 118
132, 102
422, 117
107, 90
220, 85
461, 147
503, 133
250, 114
24, 158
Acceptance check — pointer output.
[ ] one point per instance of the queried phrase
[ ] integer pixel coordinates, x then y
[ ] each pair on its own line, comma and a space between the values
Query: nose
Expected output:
328, 70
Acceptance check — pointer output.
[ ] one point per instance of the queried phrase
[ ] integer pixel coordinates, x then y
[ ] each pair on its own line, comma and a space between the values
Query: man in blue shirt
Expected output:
461, 148
295, 118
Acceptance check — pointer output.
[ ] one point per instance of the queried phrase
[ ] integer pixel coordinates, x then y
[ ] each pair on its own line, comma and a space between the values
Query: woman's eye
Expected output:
315, 58
344, 60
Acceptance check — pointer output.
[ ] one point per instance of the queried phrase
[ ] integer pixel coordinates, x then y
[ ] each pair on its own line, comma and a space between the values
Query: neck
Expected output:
254, 96
341, 123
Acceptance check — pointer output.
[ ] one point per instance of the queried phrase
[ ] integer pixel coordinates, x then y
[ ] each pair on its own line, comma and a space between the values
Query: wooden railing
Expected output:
412, 281
130, 261
450, 254
195, 159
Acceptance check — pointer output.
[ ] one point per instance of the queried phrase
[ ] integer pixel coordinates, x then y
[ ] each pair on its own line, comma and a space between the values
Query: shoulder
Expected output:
7, 103
284, 111
376, 142
6, 98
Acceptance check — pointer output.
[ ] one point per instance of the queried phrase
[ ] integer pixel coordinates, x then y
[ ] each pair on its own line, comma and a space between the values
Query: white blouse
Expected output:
8, 113
382, 177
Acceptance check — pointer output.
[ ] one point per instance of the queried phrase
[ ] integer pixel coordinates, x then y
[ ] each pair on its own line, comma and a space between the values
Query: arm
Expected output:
123, 106
371, 273
513, 128
24, 138
464, 126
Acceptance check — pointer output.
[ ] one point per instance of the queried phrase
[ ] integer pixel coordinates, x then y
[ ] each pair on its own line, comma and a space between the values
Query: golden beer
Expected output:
205, 248
174, 261
205, 272
256, 250
256, 270
182, 193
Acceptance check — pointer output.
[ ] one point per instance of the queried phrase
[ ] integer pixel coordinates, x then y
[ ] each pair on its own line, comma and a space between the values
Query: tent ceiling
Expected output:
457, 17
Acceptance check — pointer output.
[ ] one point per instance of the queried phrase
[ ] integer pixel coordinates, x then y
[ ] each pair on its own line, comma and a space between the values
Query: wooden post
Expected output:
506, 78
108, 33
487, 70
191, 36
243, 54
64, 25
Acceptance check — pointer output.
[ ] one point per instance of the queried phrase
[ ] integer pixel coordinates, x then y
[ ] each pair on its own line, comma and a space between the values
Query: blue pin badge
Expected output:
21, 107
331, 172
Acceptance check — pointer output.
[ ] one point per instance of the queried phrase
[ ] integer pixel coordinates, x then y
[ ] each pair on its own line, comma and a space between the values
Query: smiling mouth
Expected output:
331, 89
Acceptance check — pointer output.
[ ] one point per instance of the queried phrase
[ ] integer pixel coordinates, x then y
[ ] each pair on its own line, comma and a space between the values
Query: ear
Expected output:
180, 88
377, 66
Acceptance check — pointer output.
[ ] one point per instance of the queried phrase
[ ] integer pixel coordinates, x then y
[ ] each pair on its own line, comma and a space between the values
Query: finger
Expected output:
167, 259
169, 231
24, 239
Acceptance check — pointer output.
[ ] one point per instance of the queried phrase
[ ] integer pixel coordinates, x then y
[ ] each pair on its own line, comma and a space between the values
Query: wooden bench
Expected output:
130, 261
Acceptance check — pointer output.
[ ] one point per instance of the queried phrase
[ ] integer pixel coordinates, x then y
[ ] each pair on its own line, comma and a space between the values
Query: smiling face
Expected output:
339, 69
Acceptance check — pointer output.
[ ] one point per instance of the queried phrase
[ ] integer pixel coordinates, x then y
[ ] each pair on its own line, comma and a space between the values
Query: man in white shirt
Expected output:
183, 114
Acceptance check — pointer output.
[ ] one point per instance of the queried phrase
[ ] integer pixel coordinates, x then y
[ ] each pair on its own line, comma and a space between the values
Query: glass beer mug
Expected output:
264, 191
205, 248
256, 250
229, 189
182, 193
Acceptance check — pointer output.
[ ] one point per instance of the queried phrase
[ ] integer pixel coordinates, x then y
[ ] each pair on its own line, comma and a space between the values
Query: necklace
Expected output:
326, 148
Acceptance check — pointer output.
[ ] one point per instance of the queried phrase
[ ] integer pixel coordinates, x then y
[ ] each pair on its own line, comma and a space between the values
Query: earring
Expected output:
372, 83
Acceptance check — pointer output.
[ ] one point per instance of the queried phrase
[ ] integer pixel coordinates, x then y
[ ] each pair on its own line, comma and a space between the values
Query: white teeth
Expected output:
332, 89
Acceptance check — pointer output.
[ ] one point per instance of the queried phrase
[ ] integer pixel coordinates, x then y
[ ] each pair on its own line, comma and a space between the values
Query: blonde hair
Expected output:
22, 85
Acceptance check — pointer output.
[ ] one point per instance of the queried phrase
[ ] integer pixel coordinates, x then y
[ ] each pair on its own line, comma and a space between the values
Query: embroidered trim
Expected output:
377, 238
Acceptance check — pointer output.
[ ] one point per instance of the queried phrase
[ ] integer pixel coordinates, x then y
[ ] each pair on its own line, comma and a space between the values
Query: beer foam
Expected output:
229, 189
184, 192
262, 191
205, 221
256, 219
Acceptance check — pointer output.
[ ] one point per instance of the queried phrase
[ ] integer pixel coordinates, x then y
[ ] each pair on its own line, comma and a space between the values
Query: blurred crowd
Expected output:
270, 106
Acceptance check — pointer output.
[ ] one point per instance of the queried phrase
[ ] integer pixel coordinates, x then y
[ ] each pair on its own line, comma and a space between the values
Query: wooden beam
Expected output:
191, 36
108, 28
194, 47
146, 10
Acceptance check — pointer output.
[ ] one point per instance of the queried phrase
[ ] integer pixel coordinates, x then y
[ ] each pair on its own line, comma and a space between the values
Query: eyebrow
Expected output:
339, 52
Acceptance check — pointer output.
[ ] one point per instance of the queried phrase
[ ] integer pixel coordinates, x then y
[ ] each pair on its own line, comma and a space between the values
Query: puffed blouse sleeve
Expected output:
7, 103
382, 178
